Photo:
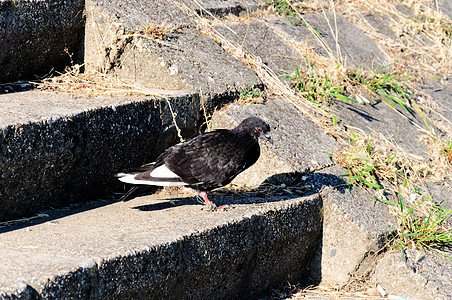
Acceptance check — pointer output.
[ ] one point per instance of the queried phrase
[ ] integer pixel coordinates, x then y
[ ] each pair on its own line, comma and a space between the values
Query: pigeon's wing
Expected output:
211, 160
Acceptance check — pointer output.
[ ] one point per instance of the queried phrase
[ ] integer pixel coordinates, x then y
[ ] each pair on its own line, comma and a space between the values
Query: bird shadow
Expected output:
170, 203
279, 187
363, 114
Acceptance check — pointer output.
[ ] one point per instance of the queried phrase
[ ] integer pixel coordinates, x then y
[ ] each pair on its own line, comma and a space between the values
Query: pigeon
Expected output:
204, 162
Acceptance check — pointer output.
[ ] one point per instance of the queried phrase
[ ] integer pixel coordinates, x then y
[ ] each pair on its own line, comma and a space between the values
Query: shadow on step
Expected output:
278, 187
51, 215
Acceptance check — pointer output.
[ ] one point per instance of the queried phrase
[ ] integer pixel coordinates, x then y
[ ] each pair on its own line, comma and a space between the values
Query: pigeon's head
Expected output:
256, 127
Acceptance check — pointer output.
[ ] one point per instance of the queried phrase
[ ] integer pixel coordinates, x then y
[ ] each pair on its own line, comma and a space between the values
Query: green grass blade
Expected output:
343, 97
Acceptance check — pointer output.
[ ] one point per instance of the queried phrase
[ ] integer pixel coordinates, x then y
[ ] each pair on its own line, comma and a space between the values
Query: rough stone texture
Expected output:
148, 248
443, 6
422, 275
71, 154
260, 40
222, 8
355, 228
111, 24
393, 123
35, 34
298, 144
36, 106
355, 47
441, 95
441, 111
202, 66
381, 24
442, 192
137, 14
387, 23
183, 59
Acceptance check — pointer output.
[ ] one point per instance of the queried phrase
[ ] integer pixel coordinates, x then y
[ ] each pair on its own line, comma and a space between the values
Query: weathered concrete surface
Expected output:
353, 47
441, 95
201, 66
111, 25
36, 106
148, 248
34, 36
298, 144
355, 228
394, 123
441, 193
421, 276
183, 58
222, 8
260, 40
443, 6
381, 24
72, 147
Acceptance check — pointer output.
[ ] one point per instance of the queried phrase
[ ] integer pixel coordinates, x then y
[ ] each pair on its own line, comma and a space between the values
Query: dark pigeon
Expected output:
205, 162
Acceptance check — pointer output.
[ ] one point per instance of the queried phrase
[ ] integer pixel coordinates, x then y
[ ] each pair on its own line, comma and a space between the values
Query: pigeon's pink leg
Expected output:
203, 195
205, 198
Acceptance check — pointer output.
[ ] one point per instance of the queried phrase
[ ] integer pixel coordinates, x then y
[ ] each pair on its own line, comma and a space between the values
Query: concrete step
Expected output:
57, 149
181, 57
160, 246
37, 37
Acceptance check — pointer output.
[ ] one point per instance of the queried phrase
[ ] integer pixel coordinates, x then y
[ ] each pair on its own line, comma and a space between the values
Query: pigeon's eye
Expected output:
259, 129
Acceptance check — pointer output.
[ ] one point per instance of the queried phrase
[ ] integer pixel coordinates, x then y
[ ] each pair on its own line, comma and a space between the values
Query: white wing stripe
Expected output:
163, 172
130, 178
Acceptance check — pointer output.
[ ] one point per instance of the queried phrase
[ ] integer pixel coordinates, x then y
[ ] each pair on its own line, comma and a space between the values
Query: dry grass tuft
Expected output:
423, 223
93, 83
440, 152
160, 32
423, 36
355, 289
372, 161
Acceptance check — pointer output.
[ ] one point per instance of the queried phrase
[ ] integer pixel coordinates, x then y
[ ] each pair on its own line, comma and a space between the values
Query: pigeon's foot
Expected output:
210, 206
213, 207
222, 208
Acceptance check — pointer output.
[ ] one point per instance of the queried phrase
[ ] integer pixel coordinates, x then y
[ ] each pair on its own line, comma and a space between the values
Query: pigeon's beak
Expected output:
266, 137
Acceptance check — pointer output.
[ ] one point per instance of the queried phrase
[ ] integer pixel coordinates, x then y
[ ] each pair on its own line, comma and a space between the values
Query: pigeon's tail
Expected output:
147, 179
160, 176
